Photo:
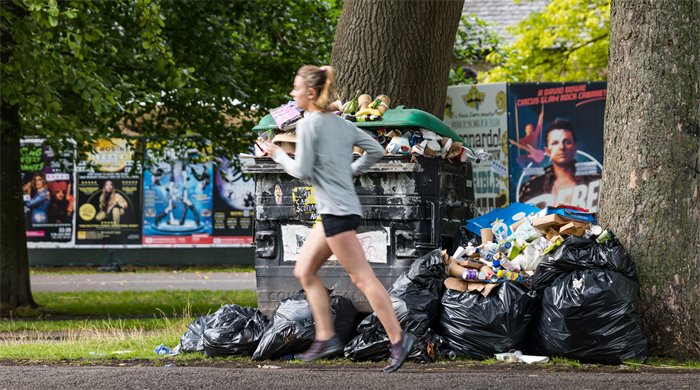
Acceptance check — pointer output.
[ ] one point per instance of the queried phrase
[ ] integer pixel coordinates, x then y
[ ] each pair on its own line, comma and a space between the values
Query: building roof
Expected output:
503, 13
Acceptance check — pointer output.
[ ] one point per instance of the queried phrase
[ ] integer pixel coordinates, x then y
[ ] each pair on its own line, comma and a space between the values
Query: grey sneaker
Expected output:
399, 351
321, 349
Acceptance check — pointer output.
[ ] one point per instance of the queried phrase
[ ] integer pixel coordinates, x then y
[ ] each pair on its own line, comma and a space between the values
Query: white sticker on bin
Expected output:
374, 243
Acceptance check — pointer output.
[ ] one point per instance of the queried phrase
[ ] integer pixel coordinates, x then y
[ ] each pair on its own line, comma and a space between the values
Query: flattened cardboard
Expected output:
456, 284
544, 223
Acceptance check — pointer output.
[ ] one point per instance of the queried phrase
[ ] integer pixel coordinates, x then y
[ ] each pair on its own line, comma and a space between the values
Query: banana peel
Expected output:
368, 111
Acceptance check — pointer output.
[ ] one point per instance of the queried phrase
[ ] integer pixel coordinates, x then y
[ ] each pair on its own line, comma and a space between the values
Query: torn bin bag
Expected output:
234, 331
292, 328
475, 326
415, 297
591, 315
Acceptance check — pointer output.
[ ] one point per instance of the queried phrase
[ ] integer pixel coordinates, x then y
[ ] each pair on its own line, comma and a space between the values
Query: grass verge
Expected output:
115, 304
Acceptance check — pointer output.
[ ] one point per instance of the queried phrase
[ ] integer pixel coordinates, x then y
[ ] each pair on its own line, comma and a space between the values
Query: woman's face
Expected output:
39, 182
109, 186
301, 94
59, 195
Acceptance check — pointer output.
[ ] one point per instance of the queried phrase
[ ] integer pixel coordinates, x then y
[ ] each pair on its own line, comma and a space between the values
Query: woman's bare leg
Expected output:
314, 253
349, 252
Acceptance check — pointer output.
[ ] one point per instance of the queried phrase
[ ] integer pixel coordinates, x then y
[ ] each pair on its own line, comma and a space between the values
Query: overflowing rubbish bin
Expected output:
411, 204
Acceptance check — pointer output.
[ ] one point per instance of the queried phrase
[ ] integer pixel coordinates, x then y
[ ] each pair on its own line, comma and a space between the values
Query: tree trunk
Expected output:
651, 182
14, 264
398, 48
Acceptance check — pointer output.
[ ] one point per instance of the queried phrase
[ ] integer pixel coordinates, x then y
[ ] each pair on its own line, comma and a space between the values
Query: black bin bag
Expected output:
590, 304
192, 340
478, 327
415, 297
233, 331
292, 328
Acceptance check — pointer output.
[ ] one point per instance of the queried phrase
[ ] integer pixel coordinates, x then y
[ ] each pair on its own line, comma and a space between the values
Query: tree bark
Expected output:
398, 48
651, 183
14, 264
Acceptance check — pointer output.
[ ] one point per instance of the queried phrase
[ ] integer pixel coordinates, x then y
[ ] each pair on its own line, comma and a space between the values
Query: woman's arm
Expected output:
373, 151
302, 166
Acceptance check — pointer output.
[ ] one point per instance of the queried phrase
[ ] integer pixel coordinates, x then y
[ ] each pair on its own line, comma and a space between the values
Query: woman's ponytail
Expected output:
322, 80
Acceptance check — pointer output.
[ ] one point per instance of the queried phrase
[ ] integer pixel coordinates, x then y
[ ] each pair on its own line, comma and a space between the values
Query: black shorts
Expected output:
336, 224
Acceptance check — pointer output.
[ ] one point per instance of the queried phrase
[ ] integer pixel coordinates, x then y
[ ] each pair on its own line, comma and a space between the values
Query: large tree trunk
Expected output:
14, 264
398, 48
651, 184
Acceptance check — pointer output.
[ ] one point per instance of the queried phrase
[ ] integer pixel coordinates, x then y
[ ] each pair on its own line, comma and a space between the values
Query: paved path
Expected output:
414, 377
123, 281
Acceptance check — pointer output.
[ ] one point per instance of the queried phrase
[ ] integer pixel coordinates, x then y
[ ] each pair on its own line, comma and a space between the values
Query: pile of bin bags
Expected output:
584, 305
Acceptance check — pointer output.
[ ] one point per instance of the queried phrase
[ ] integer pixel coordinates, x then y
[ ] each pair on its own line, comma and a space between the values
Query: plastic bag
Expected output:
192, 340
591, 315
577, 253
233, 331
415, 297
292, 328
590, 303
478, 327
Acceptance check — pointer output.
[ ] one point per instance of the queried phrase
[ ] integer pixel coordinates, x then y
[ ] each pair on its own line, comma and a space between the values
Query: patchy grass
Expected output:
102, 325
115, 304
664, 363
80, 270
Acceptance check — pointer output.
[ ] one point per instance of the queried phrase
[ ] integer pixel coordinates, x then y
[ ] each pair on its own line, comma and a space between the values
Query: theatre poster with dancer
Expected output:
177, 190
109, 196
478, 113
234, 204
47, 192
556, 143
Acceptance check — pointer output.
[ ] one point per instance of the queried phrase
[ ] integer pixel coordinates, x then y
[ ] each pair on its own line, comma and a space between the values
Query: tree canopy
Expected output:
568, 41
159, 68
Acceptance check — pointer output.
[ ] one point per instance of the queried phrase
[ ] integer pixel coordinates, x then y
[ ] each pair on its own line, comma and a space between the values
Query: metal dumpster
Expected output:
411, 205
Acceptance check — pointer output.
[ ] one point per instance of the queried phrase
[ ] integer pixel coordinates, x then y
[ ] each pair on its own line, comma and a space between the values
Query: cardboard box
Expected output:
456, 270
574, 228
552, 220
464, 286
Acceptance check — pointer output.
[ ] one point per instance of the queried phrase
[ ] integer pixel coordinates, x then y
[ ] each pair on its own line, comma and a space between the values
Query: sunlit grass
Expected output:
111, 304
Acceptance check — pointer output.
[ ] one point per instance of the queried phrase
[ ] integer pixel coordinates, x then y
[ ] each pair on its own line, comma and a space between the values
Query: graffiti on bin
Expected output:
304, 203
374, 243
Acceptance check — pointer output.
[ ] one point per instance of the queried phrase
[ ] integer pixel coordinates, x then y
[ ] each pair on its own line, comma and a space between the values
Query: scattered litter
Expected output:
163, 350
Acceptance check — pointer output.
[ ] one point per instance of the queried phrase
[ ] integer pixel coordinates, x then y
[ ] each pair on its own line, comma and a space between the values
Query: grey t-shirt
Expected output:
324, 158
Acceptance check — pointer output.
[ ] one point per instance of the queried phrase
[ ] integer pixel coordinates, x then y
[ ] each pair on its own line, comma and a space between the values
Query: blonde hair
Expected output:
320, 79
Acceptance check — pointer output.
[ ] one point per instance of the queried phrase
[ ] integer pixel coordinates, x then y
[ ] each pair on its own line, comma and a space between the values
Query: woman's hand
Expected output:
269, 147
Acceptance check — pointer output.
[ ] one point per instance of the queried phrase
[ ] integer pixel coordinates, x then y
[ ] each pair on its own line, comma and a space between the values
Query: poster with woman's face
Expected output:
109, 196
555, 147
47, 193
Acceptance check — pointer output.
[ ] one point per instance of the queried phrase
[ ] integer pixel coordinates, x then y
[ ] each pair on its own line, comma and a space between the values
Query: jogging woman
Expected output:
324, 158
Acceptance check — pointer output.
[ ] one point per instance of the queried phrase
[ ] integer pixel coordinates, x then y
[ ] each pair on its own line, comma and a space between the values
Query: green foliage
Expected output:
474, 41
568, 41
162, 69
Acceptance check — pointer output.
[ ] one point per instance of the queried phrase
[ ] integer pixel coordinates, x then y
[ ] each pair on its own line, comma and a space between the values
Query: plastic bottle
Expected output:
500, 230
509, 275
508, 265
